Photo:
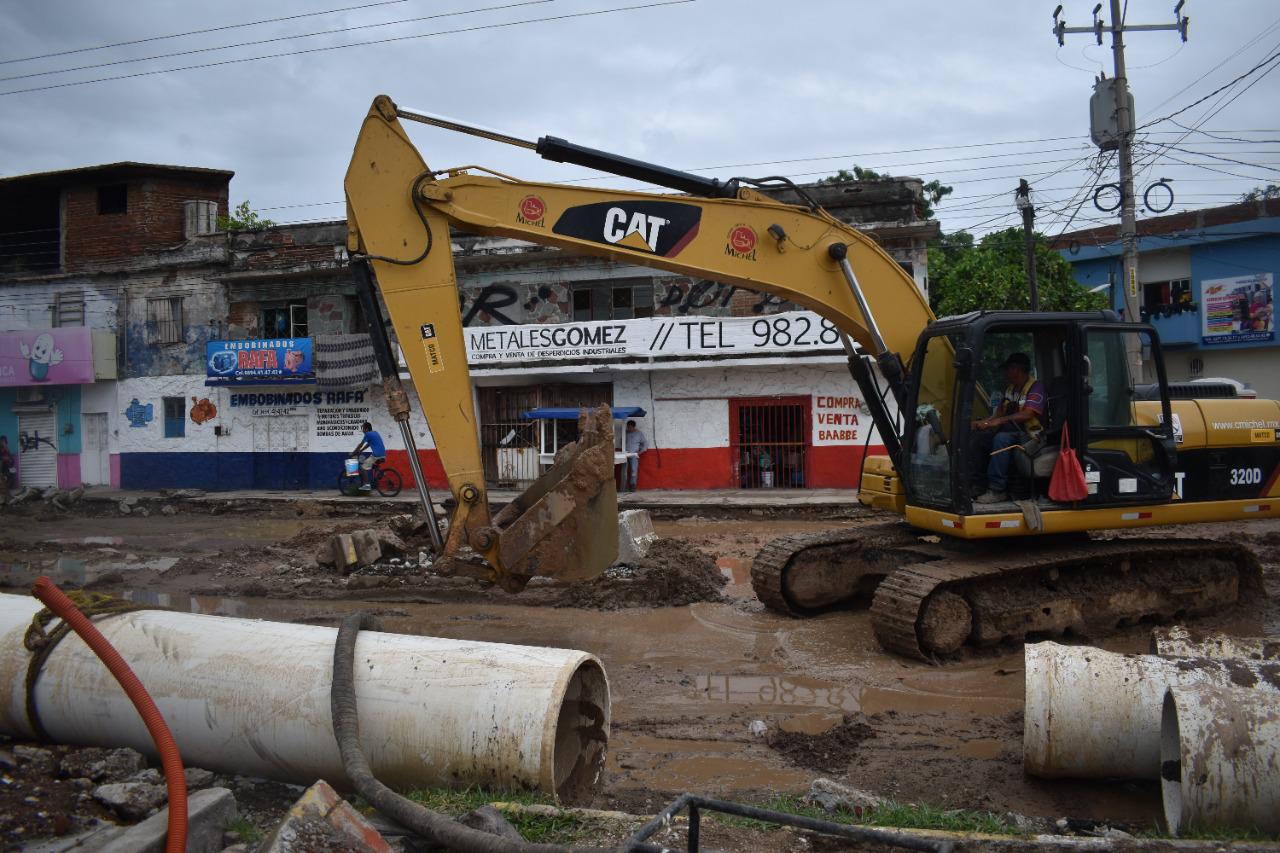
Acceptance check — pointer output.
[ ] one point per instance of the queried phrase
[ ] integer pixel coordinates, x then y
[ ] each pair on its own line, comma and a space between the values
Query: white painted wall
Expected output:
30, 306
690, 408
239, 423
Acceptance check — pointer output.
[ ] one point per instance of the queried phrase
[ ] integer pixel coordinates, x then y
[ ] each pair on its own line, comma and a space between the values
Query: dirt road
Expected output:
688, 682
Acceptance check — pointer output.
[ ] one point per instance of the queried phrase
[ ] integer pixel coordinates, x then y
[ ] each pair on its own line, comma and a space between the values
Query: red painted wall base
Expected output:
830, 467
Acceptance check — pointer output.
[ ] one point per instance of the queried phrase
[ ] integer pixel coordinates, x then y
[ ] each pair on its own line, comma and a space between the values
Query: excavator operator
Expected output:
1016, 423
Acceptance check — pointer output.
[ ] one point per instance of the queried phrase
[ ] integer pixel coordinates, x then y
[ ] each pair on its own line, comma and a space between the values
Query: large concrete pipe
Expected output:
1220, 759
1180, 641
1092, 714
251, 697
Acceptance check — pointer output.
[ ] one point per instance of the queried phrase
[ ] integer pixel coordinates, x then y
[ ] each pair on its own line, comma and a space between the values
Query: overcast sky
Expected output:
727, 87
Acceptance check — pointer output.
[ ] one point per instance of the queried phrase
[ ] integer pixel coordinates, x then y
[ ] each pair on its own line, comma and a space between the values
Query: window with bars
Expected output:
164, 319
68, 309
285, 321
623, 299
175, 417
769, 440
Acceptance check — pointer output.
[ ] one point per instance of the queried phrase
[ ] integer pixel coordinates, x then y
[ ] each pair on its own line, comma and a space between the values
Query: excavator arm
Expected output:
399, 215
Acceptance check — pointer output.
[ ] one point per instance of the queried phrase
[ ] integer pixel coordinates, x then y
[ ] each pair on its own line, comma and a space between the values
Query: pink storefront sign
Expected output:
46, 356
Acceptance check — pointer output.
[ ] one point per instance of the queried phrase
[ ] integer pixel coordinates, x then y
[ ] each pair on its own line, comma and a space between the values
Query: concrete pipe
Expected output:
1180, 641
1220, 759
1092, 714
252, 697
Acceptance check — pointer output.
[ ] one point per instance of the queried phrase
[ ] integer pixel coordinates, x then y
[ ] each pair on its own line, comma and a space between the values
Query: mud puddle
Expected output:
73, 572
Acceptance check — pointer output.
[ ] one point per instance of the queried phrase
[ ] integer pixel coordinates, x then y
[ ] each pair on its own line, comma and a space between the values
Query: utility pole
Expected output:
1124, 131
1028, 224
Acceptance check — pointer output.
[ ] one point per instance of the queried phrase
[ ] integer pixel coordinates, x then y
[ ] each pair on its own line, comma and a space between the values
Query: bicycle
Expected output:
386, 480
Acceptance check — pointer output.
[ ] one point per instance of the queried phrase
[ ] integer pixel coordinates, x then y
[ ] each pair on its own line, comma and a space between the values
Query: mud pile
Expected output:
672, 574
830, 752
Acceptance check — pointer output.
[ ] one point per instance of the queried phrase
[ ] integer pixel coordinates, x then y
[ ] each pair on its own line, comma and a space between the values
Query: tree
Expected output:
992, 276
1260, 193
934, 191
243, 219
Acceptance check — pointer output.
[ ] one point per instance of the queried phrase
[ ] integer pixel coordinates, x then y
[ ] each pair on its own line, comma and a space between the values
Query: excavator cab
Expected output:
1078, 371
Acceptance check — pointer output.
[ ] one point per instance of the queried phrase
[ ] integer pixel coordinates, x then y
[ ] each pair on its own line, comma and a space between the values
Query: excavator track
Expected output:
935, 609
932, 598
798, 575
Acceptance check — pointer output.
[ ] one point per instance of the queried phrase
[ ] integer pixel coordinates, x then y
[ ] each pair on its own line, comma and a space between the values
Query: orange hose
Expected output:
170, 760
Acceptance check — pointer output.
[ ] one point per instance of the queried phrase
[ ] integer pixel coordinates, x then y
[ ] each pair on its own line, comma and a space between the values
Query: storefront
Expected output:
46, 378
734, 402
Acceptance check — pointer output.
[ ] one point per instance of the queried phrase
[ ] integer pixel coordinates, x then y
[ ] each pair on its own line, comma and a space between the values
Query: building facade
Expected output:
242, 360
1206, 281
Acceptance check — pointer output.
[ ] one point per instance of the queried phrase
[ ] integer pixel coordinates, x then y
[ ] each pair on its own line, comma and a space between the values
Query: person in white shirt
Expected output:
633, 443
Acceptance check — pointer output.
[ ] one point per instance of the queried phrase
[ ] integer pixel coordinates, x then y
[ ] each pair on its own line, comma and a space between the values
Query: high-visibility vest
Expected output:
1019, 399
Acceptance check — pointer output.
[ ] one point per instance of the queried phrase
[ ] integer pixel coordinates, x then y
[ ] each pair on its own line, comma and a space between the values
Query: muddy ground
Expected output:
688, 681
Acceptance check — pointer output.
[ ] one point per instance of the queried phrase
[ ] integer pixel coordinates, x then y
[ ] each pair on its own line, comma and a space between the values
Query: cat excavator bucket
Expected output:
564, 526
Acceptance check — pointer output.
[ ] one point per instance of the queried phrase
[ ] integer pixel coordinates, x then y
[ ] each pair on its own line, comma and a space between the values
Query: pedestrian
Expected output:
634, 443
7, 473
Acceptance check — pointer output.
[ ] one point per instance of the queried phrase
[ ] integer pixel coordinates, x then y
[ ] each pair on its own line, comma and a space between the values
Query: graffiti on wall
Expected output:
203, 410
682, 298
139, 415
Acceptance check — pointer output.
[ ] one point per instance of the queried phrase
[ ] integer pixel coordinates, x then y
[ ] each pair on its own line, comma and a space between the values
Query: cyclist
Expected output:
376, 454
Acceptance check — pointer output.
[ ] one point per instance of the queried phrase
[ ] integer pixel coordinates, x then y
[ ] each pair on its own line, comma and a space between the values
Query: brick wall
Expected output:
153, 220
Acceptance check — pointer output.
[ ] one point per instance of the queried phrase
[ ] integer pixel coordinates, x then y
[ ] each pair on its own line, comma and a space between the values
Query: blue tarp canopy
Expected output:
572, 414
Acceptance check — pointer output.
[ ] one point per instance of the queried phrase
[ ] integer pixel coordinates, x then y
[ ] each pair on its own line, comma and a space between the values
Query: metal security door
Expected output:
280, 445
769, 440
95, 459
38, 461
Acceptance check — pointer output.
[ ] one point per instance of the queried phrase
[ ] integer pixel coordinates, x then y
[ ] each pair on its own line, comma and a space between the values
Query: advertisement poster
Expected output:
1238, 310
269, 362
62, 356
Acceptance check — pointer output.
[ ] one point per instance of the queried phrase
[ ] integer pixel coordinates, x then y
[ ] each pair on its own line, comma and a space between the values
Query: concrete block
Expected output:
130, 800
635, 535
321, 820
368, 546
209, 813
344, 552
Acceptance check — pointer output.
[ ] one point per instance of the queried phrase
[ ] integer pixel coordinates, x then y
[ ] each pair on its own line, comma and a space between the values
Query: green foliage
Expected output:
558, 828
243, 219
934, 191
992, 276
248, 832
891, 814
1259, 193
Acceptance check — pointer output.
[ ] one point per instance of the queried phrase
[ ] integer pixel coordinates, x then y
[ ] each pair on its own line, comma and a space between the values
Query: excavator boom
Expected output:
399, 215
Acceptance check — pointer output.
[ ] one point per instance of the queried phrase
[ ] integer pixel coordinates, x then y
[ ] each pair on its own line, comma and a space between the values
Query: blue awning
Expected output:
572, 414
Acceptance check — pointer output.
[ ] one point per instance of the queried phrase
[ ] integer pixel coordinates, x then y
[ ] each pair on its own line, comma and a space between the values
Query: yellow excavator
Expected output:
942, 571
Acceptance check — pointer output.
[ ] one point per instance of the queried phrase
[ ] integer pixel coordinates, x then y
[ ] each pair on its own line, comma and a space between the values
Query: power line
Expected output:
196, 50
201, 32
1272, 58
459, 31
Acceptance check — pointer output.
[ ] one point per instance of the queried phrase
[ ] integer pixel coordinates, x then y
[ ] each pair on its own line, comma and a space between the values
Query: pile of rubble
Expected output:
56, 798
62, 499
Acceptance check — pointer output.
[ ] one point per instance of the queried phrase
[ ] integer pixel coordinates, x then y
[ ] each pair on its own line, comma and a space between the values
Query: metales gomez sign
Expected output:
266, 362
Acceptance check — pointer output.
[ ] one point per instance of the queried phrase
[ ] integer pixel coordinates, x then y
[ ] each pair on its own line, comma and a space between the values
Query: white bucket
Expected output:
352, 465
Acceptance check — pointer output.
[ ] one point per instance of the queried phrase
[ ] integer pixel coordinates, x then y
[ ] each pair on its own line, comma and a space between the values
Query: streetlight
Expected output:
1028, 211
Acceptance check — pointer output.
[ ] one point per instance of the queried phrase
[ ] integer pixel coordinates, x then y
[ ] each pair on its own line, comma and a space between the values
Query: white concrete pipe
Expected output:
1180, 641
1220, 759
252, 697
1092, 714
